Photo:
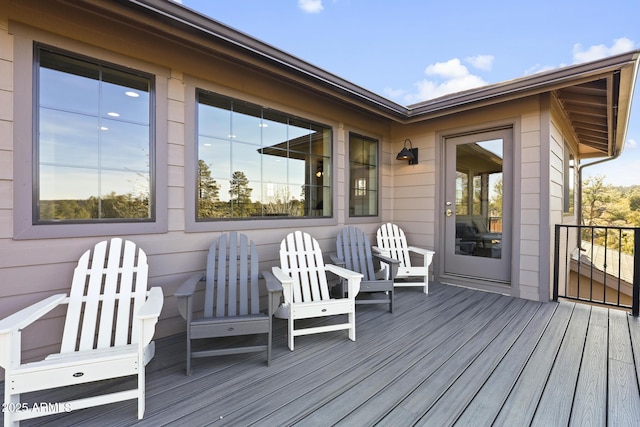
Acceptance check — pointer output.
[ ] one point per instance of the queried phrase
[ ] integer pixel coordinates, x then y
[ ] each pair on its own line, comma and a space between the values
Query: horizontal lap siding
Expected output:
31, 270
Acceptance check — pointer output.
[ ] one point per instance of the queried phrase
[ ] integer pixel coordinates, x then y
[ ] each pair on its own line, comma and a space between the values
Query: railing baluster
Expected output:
635, 304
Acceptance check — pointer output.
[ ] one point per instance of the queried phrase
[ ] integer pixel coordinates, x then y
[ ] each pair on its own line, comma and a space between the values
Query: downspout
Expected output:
616, 152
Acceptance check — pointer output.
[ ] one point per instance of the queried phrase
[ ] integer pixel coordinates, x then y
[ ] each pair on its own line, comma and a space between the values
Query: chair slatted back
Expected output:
354, 248
301, 257
109, 285
392, 241
232, 277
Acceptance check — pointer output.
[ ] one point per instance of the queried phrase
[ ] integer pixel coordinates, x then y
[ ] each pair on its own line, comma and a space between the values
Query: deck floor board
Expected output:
453, 357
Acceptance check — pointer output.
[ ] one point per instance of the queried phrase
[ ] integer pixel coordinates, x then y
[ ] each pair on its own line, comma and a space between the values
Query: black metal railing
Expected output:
598, 264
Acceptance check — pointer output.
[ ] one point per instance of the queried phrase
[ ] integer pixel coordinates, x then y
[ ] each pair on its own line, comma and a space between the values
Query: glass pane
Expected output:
68, 138
214, 122
263, 165
298, 170
94, 141
274, 130
479, 199
76, 89
246, 159
122, 103
363, 172
245, 127
274, 166
124, 146
216, 154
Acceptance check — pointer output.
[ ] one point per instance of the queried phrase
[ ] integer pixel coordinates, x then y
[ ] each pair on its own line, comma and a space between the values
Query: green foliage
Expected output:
111, 206
606, 205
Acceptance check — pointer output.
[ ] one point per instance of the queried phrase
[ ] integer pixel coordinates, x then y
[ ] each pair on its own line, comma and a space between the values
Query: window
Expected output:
569, 181
93, 142
257, 163
363, 176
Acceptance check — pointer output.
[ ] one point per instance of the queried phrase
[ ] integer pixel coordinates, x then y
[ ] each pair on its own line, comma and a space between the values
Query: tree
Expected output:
240, 195
596, 195
208, 192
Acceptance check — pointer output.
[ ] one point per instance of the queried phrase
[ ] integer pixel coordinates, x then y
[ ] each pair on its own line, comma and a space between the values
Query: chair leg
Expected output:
426, 284
188, 355
391, 301
11, 401
269, 337
290, 334
141, 388
352, 329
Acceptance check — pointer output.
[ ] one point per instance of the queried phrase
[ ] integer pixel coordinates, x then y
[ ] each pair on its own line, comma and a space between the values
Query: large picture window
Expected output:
93, 141
363, 176
254, 162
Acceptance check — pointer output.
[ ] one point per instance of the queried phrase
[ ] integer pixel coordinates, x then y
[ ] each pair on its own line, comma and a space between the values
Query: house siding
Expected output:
34, 266
33, 269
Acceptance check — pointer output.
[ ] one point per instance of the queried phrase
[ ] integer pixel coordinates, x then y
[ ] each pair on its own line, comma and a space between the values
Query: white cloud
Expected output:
631, 144
601, 51
444, 78
481, 62
310, 6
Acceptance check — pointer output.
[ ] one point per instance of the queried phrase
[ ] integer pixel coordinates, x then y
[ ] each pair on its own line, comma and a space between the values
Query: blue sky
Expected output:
413, 50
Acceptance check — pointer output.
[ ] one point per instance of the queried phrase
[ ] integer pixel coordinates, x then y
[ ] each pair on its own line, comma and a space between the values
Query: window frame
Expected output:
569, 168
352, 188
26, 105
192, 224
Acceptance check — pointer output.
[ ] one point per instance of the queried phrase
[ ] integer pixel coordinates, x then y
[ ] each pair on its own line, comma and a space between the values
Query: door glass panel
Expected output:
478, 201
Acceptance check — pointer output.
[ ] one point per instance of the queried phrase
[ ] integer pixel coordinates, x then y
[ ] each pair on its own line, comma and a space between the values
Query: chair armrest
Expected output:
272, 283
188, 287
274, 288
421, 251
11, 328
286, 282
184, 294
153, 305
426, 253
392, 263
353, 278
338, 261
28, 315
148, 316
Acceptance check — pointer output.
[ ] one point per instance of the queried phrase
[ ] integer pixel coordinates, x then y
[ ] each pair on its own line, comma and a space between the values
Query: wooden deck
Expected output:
453, 357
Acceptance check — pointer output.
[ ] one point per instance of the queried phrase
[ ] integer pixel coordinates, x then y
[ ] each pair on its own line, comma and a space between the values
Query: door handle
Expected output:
448, 212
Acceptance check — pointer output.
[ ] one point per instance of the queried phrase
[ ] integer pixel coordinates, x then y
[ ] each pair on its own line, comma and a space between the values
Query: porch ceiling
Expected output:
587, 107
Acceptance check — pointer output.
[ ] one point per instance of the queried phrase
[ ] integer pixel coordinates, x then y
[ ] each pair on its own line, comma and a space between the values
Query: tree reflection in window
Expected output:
255, 162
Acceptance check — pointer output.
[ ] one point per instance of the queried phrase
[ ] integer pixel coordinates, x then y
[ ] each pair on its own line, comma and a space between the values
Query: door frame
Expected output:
511, 288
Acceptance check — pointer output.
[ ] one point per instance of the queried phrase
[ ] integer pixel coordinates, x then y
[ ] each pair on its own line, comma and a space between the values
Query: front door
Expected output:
477, 207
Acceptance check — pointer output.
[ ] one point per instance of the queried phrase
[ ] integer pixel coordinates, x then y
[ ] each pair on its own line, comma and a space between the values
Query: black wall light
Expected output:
410, 153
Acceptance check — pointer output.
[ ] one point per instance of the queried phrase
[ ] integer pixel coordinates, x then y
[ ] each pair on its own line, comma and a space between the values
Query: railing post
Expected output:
556, 262
635, 304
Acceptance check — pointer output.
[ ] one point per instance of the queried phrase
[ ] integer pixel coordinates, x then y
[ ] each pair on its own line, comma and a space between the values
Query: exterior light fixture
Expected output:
410, 153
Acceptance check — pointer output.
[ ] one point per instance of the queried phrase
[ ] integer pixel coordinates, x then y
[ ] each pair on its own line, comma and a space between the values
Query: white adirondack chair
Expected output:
393, 244
109, 325
303, 277
231, 299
